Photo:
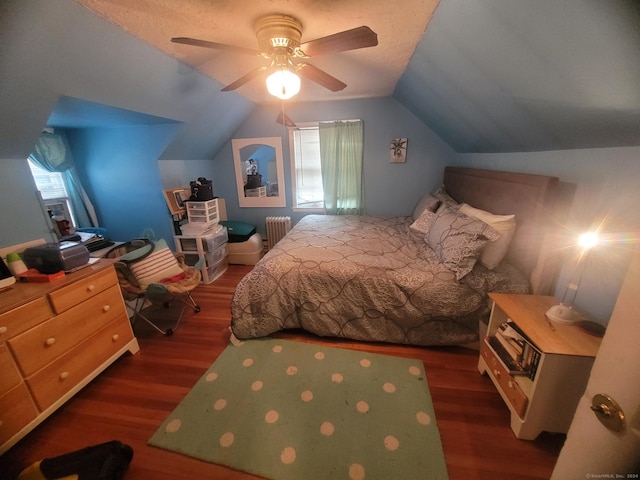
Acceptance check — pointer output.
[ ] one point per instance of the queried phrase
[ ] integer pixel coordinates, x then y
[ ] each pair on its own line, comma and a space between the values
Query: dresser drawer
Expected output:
16, 411
69, 296
23, 318
35, 348
508, 384
63, 374
9, 375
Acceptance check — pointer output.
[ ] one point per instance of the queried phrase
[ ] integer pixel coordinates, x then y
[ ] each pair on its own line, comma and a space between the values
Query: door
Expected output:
592, 450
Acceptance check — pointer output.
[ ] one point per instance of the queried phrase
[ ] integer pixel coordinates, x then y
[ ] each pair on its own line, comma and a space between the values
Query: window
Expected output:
305, 167
53, 189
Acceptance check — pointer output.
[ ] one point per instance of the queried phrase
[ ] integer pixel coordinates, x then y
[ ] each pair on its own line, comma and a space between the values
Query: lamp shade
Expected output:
283, 84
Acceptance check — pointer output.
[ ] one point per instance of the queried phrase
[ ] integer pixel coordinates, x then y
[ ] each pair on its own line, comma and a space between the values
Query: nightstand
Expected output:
544, 396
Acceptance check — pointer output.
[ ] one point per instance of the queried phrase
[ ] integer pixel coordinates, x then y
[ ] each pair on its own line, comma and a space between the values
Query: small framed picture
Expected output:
398, 150
175, 198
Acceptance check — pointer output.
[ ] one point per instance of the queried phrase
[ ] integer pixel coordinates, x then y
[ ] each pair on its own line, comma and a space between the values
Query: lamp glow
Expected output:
283, 84
564, 311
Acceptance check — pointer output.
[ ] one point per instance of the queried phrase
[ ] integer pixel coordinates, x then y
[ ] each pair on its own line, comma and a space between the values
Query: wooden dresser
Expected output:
54, 339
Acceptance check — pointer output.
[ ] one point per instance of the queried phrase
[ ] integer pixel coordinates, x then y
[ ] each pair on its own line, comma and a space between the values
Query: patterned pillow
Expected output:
423, 222
442, 195
161, 264
427, 202
458, 239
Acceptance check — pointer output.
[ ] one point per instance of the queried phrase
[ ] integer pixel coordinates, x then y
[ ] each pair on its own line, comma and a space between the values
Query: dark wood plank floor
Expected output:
130, 400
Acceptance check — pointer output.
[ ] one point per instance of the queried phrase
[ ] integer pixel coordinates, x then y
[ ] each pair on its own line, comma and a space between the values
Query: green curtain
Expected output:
341, 152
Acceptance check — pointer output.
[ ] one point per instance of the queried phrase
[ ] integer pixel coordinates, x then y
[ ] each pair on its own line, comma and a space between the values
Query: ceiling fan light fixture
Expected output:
283, 83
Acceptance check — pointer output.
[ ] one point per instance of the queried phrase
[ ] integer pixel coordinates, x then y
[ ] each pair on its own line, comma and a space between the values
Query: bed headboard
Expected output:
539, 203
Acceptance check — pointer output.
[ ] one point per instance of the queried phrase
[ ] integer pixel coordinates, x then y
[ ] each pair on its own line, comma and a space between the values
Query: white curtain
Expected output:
52, 153
341, 153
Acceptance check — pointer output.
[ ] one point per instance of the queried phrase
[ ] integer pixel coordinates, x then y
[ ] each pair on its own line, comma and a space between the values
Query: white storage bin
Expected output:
203, 212
256, 192
210, 274
247, 252
218, 254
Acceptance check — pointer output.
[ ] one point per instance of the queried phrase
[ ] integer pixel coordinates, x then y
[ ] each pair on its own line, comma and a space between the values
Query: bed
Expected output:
398, 279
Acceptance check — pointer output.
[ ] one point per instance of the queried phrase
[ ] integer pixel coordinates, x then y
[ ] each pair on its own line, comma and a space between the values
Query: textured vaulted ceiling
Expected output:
368, 72
485, 75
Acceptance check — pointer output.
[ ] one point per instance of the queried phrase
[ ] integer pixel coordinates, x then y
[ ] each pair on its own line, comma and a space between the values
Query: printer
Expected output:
54, 257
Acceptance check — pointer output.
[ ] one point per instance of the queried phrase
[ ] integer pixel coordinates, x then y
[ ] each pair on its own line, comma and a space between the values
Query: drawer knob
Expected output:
496, 373
3, 330
91, 288
115, 337
50, 341
64, 375
510, 383
106, 308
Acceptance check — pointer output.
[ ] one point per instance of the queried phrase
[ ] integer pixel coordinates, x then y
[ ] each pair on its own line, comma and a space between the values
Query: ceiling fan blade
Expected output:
321, 77
360, 37
283, 119
244, 79
219, 46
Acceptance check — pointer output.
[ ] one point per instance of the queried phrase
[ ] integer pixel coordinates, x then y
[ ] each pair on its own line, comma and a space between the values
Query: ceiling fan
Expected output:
279, 38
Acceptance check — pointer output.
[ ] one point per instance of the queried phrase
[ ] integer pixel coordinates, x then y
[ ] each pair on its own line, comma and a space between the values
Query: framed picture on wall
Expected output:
175, 198
398, 150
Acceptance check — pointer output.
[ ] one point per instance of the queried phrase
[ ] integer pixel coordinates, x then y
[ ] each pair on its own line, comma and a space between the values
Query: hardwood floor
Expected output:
130, 400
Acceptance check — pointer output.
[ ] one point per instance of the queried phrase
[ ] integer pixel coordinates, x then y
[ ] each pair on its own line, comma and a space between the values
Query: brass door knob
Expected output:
608, 412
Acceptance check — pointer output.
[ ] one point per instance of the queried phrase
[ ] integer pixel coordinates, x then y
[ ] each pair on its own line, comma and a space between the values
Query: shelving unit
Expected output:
203, 212
212, 246
547, 401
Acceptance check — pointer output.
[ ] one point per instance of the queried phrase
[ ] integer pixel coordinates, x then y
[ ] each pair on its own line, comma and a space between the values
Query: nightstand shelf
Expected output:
547, 401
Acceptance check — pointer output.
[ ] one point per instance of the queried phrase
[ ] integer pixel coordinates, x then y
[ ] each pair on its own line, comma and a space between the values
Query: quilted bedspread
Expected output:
364, 278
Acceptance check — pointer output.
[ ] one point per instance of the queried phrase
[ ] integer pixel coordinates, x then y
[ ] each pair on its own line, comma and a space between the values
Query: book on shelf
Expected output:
517, 352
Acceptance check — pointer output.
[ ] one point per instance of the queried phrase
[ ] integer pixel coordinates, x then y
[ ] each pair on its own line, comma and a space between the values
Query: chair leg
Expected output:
140, 301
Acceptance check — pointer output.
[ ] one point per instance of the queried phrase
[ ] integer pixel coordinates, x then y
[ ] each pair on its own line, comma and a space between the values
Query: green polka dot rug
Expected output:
281, 410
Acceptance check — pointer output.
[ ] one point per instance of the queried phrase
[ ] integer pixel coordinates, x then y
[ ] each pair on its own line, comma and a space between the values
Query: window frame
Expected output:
293, 172
62, 203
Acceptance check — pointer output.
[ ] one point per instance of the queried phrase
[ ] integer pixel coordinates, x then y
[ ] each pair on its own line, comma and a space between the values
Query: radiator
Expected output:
277, 227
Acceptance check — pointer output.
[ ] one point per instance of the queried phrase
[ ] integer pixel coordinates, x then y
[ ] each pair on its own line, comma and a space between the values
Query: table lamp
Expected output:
564, 311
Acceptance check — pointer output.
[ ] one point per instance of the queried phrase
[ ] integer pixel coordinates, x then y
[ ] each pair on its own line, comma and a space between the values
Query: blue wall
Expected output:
607, 196
119, 168
390, 188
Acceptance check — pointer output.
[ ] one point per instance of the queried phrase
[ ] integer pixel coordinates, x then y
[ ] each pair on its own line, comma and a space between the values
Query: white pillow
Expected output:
494, 251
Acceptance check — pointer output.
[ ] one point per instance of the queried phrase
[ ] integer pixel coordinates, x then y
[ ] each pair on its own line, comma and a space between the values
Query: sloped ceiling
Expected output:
486, 75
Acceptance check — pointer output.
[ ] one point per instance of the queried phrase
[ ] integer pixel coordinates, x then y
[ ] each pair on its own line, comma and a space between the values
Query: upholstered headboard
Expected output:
538, 202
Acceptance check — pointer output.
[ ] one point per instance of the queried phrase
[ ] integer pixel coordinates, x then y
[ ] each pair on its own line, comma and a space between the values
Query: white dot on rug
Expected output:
356, 471
247, 362
220, 404
391, 443
306, 396
389, 387
365, 362
423, 418
257, 385
413, 370
319, 356
337, 378
362, 406
292, 370
327, 428
211, 377
288, 455
227, 439
277, 349
173, 426
271, 416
